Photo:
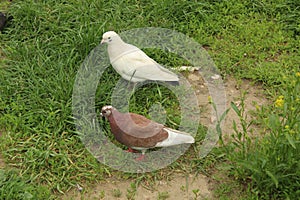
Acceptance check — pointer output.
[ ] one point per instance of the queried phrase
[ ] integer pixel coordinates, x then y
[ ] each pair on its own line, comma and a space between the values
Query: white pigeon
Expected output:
132, 63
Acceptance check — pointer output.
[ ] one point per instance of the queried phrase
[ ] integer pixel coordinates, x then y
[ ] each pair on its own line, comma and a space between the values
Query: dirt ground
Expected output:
180, 186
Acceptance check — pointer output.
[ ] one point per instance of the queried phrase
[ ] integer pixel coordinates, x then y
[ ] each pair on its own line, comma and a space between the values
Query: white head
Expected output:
109, 37
106, 111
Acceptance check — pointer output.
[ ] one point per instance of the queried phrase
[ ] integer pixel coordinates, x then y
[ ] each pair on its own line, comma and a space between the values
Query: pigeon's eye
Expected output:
109, 38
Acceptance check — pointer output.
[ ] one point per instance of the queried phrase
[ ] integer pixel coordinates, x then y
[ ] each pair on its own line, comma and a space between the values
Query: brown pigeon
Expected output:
139, 133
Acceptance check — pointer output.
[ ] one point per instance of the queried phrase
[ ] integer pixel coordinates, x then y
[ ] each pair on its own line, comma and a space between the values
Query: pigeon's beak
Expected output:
101, 114
102, 41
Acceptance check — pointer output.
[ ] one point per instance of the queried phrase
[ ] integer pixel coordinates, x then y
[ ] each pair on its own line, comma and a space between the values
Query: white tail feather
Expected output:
175, 138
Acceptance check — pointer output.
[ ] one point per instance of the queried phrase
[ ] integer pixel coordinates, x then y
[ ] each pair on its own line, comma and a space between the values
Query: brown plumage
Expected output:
134, 130
138, 132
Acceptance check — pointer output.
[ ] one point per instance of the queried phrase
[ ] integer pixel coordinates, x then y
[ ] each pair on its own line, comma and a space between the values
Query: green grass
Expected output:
14, 186
46, 42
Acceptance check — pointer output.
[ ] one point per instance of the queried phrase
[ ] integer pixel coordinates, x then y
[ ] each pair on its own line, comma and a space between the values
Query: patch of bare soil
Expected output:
254, 98
180, 187
235, 90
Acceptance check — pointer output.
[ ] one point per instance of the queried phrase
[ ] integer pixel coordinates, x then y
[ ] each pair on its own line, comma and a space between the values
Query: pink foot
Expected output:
131, 150
142, 157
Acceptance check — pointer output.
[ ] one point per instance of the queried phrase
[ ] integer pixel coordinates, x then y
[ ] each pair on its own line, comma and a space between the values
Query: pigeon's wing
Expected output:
135, 63
146, 68
139, 126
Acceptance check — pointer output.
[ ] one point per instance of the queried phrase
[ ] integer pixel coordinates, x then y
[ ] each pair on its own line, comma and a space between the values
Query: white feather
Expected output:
133, 64
175, 138
137, 66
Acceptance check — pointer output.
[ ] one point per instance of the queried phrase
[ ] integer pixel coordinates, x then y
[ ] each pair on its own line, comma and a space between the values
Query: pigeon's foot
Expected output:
140, 158
131, 150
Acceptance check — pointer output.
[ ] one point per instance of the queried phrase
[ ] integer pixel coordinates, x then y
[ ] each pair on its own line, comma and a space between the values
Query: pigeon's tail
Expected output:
175, 137
174, 83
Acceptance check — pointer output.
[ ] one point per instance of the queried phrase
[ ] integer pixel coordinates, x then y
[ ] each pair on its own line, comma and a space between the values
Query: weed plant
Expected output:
270, 164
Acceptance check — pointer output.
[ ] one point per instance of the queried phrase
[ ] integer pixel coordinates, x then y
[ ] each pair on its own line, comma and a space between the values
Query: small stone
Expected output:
79, 187
237, 103
215, 76
213, 119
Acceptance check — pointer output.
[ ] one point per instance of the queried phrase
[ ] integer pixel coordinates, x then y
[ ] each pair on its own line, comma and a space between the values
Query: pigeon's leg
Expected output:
142, 157
131, 150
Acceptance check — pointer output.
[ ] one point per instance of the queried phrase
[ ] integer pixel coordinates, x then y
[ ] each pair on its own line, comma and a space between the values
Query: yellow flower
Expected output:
209, 99
279, 102
298, 74
286, 127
